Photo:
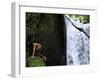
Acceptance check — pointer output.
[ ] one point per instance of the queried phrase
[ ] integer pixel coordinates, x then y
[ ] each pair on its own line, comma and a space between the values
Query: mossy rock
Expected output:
35, 61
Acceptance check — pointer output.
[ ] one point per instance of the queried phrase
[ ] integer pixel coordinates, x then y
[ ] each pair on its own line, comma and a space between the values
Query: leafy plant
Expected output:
83, 18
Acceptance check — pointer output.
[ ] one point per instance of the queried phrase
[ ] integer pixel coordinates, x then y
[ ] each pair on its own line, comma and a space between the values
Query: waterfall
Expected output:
77, 42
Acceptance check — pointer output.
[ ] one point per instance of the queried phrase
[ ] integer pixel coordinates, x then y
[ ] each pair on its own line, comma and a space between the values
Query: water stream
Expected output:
77, 49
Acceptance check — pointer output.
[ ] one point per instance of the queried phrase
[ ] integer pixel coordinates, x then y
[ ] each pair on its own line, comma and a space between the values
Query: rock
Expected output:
35, 61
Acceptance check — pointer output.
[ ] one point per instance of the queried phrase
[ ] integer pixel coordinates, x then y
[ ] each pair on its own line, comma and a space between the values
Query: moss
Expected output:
35, 61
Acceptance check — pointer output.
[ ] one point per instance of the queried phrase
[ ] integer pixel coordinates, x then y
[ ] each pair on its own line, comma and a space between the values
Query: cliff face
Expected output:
49, 31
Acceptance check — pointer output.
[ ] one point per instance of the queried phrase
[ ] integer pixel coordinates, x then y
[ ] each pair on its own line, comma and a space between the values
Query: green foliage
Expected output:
83, 18
35, 62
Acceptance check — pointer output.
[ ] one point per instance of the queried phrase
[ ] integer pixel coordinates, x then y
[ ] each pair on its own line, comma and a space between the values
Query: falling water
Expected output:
77, 42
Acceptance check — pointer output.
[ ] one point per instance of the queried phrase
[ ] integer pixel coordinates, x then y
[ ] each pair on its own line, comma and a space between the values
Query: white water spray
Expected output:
77, 49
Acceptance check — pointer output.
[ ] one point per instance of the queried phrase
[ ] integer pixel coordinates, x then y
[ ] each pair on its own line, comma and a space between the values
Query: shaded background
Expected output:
49, 31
